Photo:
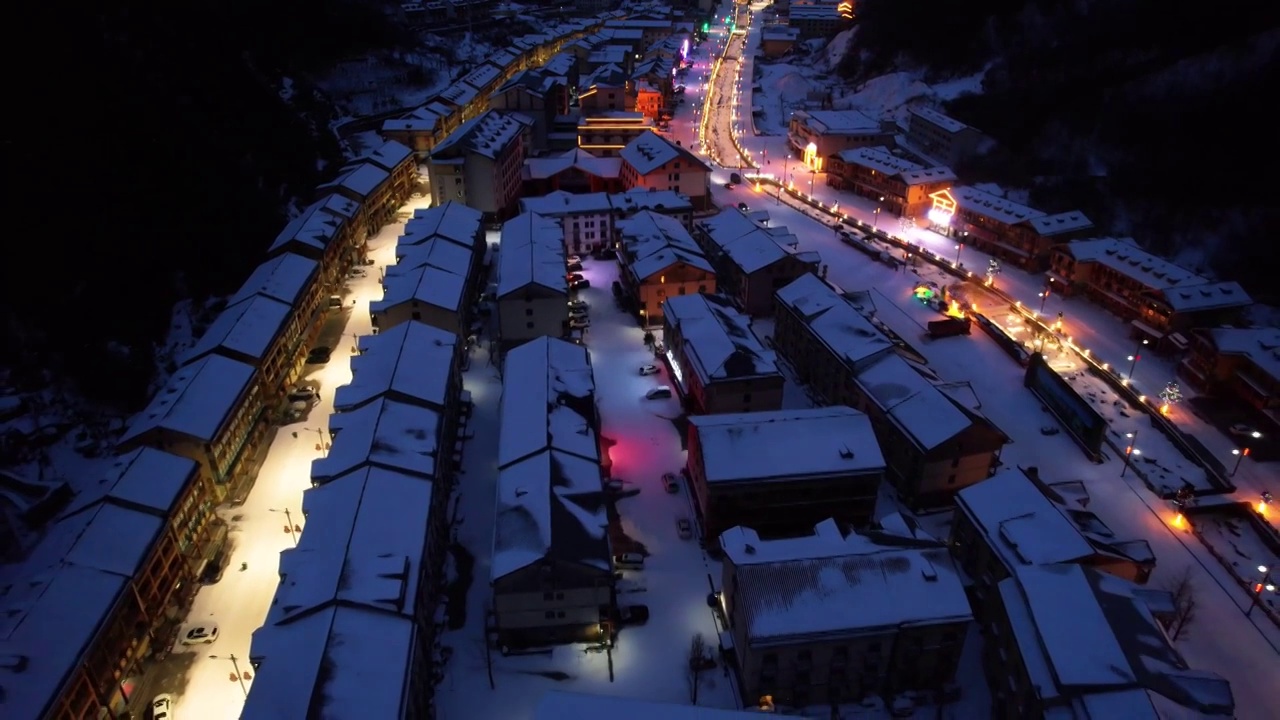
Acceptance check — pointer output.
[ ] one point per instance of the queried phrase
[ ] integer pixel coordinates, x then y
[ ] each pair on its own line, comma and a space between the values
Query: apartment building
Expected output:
898, 185
533, 291
586, 219
252, 331
1014, 520
606, 88
432, 284
658, 74
833, 618
538, 95
1106, 657
934, 438
752, 261
781, 472
1159, 297
418, 130
1007, 230
652, 162
664, 202
777, 40
110, 572
833, 131
718, 364
211, 411
551, 572
651, 30
575, 171
401, 165
369, 187
480, 163
820, 19
607, 133
1242, 363
413, 363
326, 232
294, 280
658, 260
940, 137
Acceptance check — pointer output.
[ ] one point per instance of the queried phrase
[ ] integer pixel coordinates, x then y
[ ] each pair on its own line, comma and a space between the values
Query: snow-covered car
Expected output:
648, 369
199, 634
577, 313
573, 277
572, 259
573, 267
684, 527
576, 304
579, 323
669, 483
162, 707
319, 355
629, 561
302, 393
580, 284
1243, 430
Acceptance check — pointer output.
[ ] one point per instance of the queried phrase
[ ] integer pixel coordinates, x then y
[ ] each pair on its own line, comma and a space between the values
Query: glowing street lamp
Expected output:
1241, 452
959, 249
235, 663
1134, 358
290, 528
1265, 583
1130, 450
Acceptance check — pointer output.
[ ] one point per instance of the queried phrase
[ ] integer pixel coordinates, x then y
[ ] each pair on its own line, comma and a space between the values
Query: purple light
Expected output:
684, 49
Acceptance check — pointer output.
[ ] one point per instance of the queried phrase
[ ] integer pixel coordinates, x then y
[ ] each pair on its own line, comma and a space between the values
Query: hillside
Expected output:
1150, 117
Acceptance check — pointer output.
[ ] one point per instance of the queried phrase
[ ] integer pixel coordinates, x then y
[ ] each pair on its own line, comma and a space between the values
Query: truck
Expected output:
949, 326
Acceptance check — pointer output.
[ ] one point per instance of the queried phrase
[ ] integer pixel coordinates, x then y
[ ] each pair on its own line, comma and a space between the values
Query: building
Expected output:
716, 360
326, 232
418, 130
1070, 642
606, 89
607, 133
1159, 297
413, 363
533, 291
651, 30
588, 219
437, 272
820, 19
95, 596
899, 186
650, 99
557, 705
551, 571
293, 280
1005, 229
480, 163
402, 167
783, 471
358, 592
777, 40
933, 436
1014, 520
752, 261
252, 331
651, 161
210, 411
664, 202
659, 259
538, 95
816, 135
832, 618
1243, 363
944, 139
575, 171
370, 188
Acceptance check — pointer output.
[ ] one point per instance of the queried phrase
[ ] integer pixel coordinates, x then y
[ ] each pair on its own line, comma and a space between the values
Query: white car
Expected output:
572, 259
1244, 431
684, 528
648, 369
669, 482
578, 304
579, 323
199, 633
162, 707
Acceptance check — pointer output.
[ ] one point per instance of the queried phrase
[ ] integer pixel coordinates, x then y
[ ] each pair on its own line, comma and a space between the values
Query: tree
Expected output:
698, 657
1185, 603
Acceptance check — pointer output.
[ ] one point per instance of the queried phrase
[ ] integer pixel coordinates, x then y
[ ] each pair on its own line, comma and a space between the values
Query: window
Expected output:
417, 315
528, 312
702, 289
559, 596
550, 615
529, 325
746, 398
951, 479
547, 596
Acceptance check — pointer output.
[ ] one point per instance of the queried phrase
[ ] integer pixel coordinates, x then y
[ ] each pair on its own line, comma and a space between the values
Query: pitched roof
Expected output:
786, 444
197, 400
649, 151
718, 342
655, 242
412, 361
532, 254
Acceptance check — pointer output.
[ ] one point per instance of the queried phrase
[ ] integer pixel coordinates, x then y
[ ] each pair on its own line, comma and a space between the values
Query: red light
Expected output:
1257, 588
1246, 452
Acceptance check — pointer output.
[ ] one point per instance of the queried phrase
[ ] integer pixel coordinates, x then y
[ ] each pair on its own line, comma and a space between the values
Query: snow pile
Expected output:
886, 96
830, 58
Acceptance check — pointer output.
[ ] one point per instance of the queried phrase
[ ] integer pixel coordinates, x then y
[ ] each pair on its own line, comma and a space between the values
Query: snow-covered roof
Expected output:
197, 401
560, 204
482, 76
1021, 524
945, 122
389, 155
717, 341
502, 58
1125, 257
755, 250
246, 330
1080, 631
992, 206
878, 159
786, 444
532, 254
829, 584
838, 122
1261, 345
453, 221
458, 94
420, 120
318, 224
937, 174
779, 32
560, 64
341, 623
489, 134
360, 179
655, 242
548, 401
437, 252
383, 433
649, 151
1210, 296
142, 478
285, 277
608, 75
412, 362
1059, 223
577, 159
637, 199
920, 408
550, 506
835, 322
557, 705
426, 284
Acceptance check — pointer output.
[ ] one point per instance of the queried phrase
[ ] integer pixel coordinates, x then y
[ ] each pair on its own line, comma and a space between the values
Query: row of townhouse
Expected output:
195, 446
752, 260
590, 220
659, 259
361, 587
532, 291
1242, 363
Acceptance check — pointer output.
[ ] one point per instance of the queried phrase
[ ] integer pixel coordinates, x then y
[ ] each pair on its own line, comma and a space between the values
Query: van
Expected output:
662, 391
735, 178
629, 561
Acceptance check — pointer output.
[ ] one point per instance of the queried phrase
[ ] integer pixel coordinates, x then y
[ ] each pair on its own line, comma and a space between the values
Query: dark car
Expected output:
617, 289
604, 253
735, 178
633, 614
573, 277
582, 284
573, 267
743, 207
319, 355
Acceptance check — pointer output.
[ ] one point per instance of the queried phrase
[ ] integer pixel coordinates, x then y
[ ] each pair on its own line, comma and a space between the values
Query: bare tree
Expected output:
698, 657
1185, 603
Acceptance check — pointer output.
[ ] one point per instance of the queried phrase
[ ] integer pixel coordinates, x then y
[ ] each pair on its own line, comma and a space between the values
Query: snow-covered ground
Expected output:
1239, 545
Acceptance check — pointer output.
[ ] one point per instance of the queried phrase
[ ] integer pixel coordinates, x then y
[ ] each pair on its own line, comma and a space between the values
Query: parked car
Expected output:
614, 485
577, 312
302, 393
648, 369
579, 323
1243, 430
580, 284
735, 178
633, 614
617, 289
629, 561
729, 186
200, 634
662, 391
319, 355
684, 527
573, 267
575, 304
743, 207
669, 483
572, 259
573, 277
605, 253
162, 707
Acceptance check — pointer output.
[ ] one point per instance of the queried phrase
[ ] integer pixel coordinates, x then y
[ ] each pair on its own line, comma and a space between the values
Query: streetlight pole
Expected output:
1264, 584
235, 663
322, 446
293, 533
1129, 450
786, 163
959, 249
1241, 452
1134, 358
1044, 296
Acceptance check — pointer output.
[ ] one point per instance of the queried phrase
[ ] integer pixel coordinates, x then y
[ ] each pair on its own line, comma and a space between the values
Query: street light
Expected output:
1043, 297
322, 446
1241, 452
1134, 358
1263, 584
292, 529
959, 248
235, 663
1130, 450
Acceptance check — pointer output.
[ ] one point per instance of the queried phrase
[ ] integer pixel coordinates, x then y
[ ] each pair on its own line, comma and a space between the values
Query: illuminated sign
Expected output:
944, 208
675, 367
